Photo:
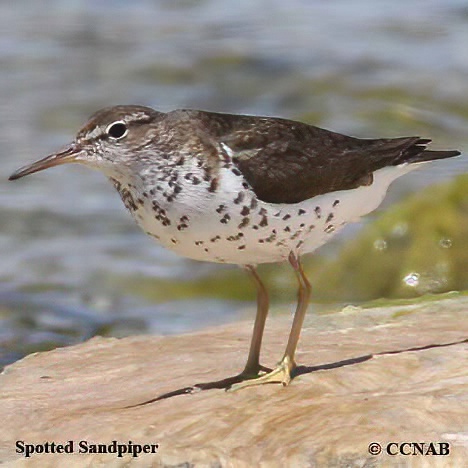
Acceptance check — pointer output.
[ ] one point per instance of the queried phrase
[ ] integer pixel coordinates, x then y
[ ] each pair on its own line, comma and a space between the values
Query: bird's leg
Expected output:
253, 367
304, 293
282, 373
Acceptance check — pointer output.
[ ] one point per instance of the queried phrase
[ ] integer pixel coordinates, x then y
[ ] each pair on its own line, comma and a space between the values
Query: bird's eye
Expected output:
117, 130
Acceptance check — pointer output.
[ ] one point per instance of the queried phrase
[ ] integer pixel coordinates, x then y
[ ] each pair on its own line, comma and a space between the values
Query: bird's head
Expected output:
110, 141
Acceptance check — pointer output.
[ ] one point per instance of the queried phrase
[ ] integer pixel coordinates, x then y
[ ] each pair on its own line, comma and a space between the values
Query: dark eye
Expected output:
117, 130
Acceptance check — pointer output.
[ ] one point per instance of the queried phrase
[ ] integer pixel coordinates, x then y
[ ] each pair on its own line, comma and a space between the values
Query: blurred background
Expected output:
72, 262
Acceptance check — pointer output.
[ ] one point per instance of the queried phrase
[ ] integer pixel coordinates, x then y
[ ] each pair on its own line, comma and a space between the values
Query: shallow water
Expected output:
68, 248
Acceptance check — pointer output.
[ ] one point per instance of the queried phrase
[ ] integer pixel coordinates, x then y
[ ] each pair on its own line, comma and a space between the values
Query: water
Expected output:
72, 262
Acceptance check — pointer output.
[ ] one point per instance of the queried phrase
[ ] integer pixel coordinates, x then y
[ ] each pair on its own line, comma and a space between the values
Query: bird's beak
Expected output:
68, 154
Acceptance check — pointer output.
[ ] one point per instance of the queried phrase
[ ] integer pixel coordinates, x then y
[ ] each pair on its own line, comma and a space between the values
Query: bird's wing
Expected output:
288, 162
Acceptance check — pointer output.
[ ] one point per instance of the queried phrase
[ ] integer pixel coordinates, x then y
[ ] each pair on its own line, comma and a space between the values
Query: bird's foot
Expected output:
281, 374
250, 372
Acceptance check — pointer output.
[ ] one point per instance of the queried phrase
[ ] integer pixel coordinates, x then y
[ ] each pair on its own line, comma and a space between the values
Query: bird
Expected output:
241, 189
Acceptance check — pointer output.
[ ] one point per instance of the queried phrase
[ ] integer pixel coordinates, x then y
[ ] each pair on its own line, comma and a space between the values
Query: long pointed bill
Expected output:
68, 155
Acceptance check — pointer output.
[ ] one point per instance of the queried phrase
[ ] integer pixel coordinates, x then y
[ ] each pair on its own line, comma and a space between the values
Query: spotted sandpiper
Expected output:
240, 189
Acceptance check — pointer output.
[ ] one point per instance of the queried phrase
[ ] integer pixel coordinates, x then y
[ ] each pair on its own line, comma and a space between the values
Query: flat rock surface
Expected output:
389, 374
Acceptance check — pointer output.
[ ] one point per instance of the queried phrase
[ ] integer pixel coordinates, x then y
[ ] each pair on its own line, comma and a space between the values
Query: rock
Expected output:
391, 374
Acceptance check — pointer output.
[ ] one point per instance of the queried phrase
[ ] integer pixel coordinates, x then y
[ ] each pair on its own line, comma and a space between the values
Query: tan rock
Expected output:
390, 374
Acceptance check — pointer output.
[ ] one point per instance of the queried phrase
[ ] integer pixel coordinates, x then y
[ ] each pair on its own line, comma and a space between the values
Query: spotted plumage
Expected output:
240, 189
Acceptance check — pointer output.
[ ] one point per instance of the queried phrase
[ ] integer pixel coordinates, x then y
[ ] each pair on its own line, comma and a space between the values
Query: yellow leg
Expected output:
253, 366
282, 373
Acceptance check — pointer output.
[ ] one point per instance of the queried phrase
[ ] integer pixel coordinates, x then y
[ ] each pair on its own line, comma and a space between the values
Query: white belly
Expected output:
221, 227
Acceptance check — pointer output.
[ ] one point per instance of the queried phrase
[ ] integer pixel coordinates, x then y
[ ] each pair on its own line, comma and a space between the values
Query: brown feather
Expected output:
287, 162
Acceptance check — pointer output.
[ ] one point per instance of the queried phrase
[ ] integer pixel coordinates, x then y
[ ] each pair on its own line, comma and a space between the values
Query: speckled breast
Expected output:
231, 225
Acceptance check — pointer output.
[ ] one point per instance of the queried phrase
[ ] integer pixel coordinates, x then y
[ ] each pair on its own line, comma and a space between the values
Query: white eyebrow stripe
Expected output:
95, 132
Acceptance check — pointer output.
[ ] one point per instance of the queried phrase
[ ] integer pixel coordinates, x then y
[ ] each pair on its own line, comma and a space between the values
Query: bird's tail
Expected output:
414, 150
